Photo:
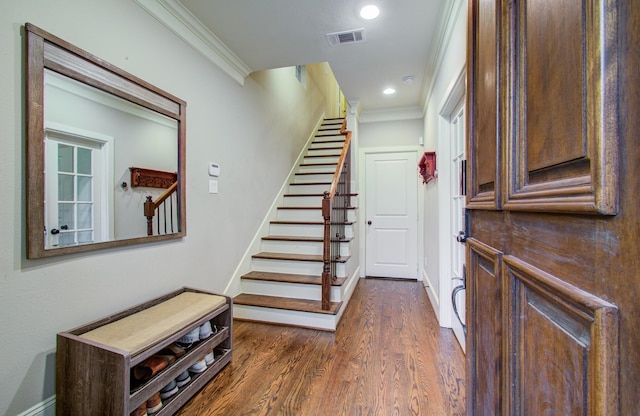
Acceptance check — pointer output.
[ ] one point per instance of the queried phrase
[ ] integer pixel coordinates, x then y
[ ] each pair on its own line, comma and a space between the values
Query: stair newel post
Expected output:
326, 252
149, 212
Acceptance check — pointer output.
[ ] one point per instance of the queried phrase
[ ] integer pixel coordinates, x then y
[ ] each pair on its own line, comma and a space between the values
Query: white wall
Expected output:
437, 210
254, 131
390, 133
141, 138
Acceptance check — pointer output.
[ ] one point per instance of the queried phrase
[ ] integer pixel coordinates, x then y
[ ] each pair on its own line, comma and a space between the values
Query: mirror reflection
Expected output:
92, 139
105, 153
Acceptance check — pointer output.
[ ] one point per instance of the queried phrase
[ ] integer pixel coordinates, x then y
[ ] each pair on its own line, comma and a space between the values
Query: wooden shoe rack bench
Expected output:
94, 361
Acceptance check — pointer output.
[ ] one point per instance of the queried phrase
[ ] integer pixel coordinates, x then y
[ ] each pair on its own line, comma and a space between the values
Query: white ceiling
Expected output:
403, 40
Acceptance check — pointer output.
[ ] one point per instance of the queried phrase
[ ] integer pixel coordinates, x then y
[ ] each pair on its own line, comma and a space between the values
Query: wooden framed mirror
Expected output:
92, 130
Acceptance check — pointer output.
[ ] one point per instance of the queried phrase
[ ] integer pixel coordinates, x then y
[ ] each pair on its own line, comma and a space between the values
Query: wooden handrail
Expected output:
150, 205
327, 209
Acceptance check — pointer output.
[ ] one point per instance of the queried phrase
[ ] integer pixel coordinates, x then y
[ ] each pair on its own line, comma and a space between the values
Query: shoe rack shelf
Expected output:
95, 378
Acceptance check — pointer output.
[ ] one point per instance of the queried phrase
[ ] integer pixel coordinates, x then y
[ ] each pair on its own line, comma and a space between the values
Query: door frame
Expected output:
452, 97
107, 144
362, 219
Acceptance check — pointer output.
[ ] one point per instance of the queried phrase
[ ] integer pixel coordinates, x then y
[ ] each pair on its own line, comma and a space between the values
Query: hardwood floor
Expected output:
388, 357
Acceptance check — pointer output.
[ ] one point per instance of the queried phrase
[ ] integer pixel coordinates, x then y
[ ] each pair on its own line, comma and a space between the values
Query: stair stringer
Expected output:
234, 286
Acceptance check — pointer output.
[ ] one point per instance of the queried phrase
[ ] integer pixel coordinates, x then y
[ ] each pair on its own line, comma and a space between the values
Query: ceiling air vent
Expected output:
349, 36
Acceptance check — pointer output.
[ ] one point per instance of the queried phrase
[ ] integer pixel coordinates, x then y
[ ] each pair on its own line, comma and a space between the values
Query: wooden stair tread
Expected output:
295, 257
327, 141
319, 164
275, 302
318, 156
310, 183
311, 208
306, 222
307, 195
296, 238
314, 173
290, 278
302, 195
317, 149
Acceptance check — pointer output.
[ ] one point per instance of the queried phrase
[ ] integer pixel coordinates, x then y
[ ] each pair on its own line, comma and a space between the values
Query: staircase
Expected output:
284, 284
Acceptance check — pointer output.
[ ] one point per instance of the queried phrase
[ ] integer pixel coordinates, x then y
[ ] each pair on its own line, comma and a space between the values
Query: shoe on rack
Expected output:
140, 411
199, 366
152, 366
188, 339
209, 358
154, 404
183, 379
173, 349
169, 390
205, 330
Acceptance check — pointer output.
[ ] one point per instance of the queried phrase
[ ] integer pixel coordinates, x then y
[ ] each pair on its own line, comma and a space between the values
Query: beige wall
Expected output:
322, 77
254, 132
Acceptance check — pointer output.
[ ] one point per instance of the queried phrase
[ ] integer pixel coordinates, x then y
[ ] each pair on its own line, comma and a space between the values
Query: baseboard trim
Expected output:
433, 296
44, 408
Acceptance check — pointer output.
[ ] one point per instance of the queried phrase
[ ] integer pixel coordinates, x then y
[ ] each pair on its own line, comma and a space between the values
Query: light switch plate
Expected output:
213, 186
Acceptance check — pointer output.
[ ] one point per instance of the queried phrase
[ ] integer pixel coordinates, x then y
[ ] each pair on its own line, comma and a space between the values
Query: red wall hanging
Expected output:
427, 166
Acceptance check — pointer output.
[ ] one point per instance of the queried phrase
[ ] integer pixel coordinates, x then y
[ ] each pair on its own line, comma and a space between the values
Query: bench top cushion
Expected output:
138, 331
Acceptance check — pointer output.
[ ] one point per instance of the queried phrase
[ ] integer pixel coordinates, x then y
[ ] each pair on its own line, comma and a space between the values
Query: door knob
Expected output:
461, 237
55, 231
369, 222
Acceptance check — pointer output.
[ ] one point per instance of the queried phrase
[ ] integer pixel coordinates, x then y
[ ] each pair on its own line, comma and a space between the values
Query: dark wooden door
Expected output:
553, 191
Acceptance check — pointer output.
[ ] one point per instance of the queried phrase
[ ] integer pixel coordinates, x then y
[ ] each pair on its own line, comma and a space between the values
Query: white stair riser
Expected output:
309, 201
308, 215
322, 168
322, 159
299, 215
324, 143
302, 201
300, 247
324, 152
292, 290
315, 177
304, 230
333, 131
295, 318
308, 189
313, 268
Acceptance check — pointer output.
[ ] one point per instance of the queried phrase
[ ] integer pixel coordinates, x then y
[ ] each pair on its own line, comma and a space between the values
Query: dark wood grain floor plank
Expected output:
388, 357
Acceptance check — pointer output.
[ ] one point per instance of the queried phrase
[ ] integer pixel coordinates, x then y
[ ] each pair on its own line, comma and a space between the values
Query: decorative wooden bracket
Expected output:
152, 178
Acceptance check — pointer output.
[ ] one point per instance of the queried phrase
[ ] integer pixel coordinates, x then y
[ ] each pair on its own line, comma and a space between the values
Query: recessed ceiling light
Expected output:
369, 12
389, 91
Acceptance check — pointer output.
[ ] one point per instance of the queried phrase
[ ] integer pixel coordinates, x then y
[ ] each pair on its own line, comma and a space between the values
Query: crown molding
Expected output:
450, 15
391, 114
187, 27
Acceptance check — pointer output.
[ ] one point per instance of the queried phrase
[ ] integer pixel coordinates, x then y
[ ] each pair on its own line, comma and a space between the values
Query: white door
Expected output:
391, 215
74, 175
458, 223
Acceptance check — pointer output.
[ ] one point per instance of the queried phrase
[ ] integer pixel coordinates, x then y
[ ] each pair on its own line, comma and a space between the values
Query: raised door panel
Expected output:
562, 151
484, 358
561, 346
483, 104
